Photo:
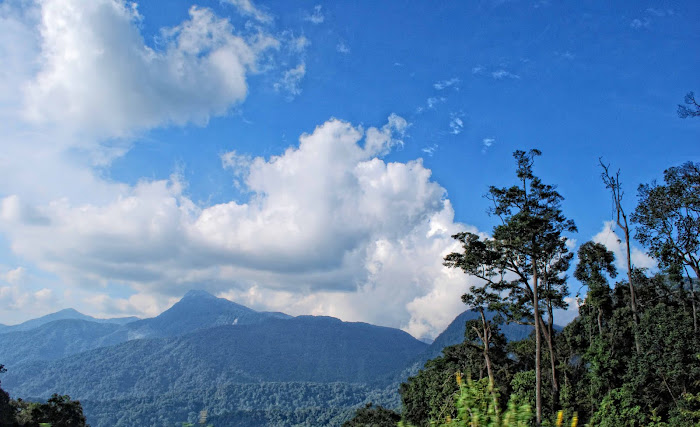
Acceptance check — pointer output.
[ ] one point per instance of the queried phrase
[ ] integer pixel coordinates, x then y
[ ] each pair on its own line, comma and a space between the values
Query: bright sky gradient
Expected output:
313, 158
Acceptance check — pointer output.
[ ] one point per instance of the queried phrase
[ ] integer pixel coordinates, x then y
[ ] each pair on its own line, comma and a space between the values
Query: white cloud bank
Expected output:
97, 74
329, 228
610, 239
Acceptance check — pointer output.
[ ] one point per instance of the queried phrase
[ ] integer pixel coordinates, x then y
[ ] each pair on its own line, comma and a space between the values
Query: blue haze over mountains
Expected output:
246, 367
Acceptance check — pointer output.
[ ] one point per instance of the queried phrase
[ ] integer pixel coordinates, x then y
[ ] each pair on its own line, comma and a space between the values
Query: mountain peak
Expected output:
69, 311
198, 293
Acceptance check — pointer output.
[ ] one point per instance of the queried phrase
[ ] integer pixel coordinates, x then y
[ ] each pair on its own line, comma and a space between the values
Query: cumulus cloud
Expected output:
328, 226
98, 75
609, 237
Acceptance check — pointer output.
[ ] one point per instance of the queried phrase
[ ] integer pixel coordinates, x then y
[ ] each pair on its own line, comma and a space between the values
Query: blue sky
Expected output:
148, 150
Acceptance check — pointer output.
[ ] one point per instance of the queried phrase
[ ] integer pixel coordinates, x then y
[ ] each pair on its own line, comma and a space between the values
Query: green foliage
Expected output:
373, 416
619, 408
431, 393
477, 405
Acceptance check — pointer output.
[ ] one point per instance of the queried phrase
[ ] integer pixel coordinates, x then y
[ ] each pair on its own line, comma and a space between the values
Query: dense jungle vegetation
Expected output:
631, 357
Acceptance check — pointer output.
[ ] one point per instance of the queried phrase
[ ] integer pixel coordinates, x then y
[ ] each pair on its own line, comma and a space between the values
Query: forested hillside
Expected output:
631, 357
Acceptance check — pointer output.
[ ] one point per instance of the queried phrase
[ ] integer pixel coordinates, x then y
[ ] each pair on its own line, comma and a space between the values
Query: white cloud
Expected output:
434, 101
477, 70
341, 47
660, 12
361, 229
444, 84
299, 44
608, 237
16, 276
430, 150
316, 17
456, 123
501, 74
486, 143
246, 7
640, 23
97, 75
291, 81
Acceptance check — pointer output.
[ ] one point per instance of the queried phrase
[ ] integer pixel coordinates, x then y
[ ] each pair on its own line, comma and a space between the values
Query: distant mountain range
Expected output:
208, 352
65, 314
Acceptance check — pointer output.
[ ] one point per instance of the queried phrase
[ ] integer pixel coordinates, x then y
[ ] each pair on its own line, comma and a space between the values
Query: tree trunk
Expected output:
633, 299
487, 359
538, 346
486, 340
552, 356
696, 269
600, 322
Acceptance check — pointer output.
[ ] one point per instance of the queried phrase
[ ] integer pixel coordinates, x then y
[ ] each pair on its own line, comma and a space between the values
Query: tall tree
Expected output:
595, 260
668, 219
612, 183
524, 255
478, 259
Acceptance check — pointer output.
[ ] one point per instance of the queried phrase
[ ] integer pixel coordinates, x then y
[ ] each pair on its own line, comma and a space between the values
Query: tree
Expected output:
7, 411
612, 182
478, 259
668, 222
376, 416
58, 411
691, 109
526, 256
594, 261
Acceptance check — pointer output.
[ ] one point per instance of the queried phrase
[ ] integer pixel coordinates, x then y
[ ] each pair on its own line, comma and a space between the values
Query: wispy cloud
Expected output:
640, 23
444, 84
341, 47
246, 7
478, 70
565, 55
291, 81
660, 12
456, 123
430, 150
433, 101
504, 74
486, 143
316, 17
299, 44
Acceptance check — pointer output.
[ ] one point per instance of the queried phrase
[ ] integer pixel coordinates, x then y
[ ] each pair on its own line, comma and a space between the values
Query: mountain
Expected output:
454, 333
67, 313
302, 349
197, 310
69, 332
56, 339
